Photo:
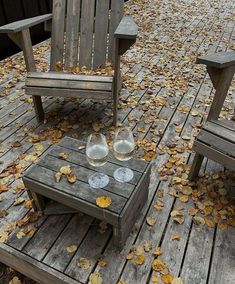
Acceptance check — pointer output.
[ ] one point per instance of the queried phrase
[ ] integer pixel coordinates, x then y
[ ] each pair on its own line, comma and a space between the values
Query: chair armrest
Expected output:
218, 60
127, 29
24, 24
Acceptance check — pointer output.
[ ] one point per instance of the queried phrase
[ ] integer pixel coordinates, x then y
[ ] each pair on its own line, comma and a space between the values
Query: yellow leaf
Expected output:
154, 279
210, 223
151, 221
19, 201
138, 250
83, 263
31, 158
28, 204
167, 279
177, 281
58, 176
15, 280
63, 155
103, 201
95, 278
71, 249
102, 263
184, 198
177, 216
147, 246
193, 211
65, 170
223, 226
20, 234
130, 255
3, 236
71, 178
199, 220
140, 259
186, 190
157, 251
121, 282
175, 237
159, 266
185, 137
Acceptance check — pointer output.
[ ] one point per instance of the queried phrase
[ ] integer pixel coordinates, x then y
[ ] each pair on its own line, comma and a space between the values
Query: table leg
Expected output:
118, 237
38, 200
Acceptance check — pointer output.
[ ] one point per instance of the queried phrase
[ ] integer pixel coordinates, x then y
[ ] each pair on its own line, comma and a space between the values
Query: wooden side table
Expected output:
127, 198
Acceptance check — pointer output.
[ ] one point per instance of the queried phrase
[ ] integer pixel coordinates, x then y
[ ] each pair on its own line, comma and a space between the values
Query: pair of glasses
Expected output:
97, 151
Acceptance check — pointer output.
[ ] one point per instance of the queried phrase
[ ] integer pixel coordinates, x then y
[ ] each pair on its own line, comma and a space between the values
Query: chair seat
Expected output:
216, 141
69, 85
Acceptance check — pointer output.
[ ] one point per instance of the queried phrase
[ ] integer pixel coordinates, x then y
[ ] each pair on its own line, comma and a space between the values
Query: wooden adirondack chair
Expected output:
216, 139
85, 33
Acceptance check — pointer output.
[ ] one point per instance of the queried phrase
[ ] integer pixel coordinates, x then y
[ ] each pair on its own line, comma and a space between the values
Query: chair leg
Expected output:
115, 109
196, 165
37, 101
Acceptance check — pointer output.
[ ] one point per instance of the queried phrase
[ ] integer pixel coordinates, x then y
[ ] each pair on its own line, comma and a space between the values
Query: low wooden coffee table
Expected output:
127, 198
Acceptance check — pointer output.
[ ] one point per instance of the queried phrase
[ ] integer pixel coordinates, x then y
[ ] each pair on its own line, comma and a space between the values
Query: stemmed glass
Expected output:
123, 150
97, 153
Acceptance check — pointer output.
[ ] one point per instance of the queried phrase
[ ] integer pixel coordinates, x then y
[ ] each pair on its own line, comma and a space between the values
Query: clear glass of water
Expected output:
97, 153
123, 150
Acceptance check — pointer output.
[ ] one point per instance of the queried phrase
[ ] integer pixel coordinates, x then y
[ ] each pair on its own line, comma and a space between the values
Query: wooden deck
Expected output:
165, 99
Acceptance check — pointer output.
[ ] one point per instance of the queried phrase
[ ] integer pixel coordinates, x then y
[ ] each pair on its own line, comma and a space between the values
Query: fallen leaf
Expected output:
3, 236
210, 223
58, 176
193, 211
63, 155
140, 259
71, 177
20, 234
65, 170
19, 201
71, 249
103, 201
15, 280
130, 255
177, 216
199, 220
177, 281
28, 204
95, 278
83, 263
102, 263
147, 246
175, 237
151, 220
157, 251
167, 278
3, 187
3, 213
154, 279
159, 266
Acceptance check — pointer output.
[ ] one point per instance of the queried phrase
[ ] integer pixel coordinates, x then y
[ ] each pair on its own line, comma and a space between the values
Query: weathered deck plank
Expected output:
196, 31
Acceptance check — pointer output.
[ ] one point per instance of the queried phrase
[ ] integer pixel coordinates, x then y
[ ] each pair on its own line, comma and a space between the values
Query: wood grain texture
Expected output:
86, 38
116, 15
57, 40
101, 31
72, 33
24, 24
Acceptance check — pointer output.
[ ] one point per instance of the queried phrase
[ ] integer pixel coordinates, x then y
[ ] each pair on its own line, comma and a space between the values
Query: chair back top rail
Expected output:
83, 32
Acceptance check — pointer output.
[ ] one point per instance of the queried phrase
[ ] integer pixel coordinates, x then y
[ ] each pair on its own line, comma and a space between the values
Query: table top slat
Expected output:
82, 174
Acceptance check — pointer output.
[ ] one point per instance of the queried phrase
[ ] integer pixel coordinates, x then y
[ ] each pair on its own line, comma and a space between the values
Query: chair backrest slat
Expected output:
115, 18
57, 40
86, 35
90, 25
72, 33
101, 31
